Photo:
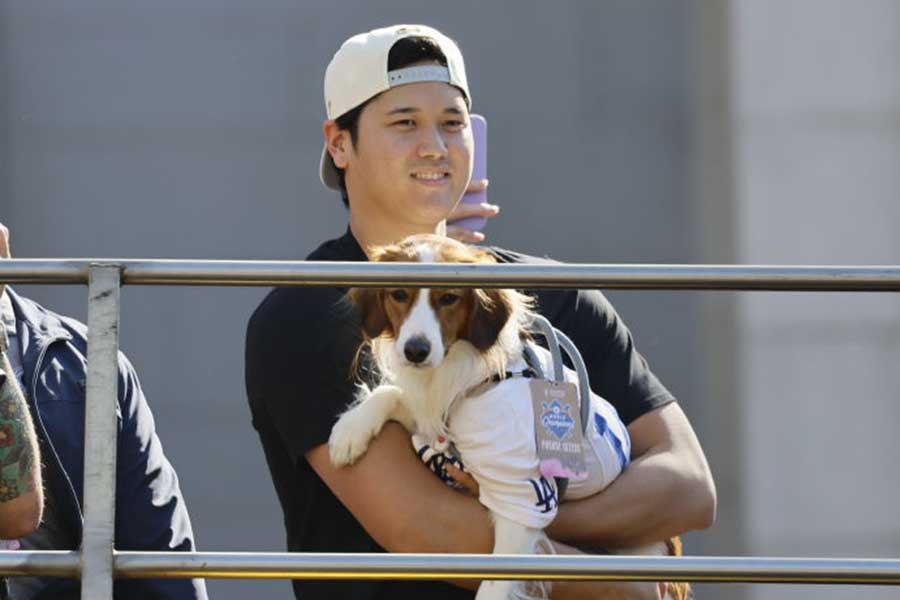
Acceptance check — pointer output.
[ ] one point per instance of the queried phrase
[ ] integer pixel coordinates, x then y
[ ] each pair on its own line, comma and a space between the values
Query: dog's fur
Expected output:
431, 346
470, 339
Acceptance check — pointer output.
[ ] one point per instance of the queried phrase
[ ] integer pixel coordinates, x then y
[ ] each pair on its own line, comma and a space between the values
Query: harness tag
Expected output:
557, 429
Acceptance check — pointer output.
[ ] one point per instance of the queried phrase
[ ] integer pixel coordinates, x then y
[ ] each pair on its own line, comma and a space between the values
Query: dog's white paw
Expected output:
512, 590
495, 590
350, 438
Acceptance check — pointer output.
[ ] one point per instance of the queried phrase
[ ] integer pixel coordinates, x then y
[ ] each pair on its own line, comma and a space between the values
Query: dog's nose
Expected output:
416, 349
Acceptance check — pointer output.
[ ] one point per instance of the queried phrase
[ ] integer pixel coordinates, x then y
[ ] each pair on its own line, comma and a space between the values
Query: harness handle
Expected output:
556, 339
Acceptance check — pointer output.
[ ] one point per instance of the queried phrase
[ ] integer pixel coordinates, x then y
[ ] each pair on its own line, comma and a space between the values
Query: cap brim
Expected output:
328, 172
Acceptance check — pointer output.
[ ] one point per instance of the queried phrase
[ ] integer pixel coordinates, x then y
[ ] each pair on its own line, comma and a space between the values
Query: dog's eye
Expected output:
448, 299
400, 295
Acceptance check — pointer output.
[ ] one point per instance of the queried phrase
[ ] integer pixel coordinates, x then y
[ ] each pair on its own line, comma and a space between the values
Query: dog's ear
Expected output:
490, 311
369, 305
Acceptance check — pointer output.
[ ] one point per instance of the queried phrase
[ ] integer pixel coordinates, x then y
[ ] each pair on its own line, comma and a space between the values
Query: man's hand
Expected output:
464, 211
466, 482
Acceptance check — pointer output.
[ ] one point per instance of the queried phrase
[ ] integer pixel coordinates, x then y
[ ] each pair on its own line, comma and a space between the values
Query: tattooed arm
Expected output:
21, 494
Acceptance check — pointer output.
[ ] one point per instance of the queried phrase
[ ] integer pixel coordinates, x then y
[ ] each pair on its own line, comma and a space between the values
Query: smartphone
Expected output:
479, 171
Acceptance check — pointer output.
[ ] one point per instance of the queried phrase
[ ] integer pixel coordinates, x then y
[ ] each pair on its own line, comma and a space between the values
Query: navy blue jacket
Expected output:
150, 511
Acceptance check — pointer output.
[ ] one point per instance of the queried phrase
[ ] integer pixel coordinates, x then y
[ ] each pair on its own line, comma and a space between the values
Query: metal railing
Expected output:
98, 562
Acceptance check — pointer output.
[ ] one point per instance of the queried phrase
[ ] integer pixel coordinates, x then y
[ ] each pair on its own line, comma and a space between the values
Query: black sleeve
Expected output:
301, 344
616, 369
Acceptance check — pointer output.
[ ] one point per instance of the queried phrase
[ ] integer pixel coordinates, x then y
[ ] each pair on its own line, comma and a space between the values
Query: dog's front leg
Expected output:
351, 435
512, 538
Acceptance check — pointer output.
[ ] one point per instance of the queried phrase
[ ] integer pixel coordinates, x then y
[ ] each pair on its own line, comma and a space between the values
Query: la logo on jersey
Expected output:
545, 492
556, 419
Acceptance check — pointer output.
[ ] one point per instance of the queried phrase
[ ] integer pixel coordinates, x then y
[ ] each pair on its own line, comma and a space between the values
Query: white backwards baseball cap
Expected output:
359, 72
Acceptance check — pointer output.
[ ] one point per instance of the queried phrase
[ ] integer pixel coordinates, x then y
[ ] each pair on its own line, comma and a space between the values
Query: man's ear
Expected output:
490, 311
369, 305
337, 142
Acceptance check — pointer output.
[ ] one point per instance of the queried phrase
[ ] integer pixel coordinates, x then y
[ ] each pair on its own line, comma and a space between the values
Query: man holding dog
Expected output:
399, 149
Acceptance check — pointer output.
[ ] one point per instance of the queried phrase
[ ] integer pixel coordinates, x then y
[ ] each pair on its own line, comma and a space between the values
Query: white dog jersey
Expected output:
493, 434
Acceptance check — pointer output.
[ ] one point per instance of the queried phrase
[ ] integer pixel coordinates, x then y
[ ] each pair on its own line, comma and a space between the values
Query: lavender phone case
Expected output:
479, 171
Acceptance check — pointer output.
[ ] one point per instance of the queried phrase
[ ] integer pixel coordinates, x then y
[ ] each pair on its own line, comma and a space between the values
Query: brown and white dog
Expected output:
432, 347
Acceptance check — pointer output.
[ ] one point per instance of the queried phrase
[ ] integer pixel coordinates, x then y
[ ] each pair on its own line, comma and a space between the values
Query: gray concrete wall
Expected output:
718, 420
816, 99
174, 129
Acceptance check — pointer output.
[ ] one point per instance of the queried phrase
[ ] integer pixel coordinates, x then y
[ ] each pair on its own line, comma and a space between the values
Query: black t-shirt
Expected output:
301, 342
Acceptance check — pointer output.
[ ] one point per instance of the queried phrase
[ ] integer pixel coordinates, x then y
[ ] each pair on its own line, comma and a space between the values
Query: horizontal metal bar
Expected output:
49, 563
44, 270
266, 273
476, 566
282, 565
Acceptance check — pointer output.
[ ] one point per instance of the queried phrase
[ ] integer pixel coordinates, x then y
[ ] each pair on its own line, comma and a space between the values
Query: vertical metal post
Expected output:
100, 433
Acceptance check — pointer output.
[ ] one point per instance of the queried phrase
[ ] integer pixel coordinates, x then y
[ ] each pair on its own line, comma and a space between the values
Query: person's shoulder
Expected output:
344, 248
327, 250
45, 320
308, 305
505, 255
308, 330
307, 308
557, 303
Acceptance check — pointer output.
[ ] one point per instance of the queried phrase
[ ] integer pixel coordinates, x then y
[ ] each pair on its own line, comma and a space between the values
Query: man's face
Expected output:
413, 155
